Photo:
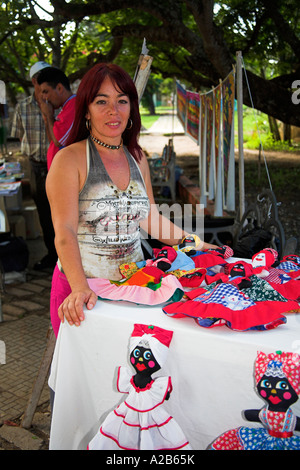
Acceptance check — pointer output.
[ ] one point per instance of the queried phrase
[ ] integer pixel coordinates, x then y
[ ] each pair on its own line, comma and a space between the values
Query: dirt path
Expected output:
185, 146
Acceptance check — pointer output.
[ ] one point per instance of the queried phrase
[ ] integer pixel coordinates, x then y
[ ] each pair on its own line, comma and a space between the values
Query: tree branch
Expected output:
94, 58
283, 27
213, 41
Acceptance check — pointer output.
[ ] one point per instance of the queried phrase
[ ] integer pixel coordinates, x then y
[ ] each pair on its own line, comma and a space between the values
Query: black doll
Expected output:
277, 377
140, 422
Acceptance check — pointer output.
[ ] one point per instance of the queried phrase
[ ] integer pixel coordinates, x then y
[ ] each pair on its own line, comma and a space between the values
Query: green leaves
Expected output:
194, 41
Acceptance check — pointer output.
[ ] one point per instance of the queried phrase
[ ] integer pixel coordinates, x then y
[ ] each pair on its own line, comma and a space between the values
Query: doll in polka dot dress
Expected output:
277, 378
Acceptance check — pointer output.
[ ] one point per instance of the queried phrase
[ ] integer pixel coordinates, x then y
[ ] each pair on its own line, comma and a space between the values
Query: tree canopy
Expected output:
193, 40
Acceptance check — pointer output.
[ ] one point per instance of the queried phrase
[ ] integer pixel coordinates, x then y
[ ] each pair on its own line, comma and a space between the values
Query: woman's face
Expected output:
109, 112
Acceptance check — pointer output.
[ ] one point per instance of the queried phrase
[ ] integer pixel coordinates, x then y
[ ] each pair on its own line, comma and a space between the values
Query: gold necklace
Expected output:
113, 147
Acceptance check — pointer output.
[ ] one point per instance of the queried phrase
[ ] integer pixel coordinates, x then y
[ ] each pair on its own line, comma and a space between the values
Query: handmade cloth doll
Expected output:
255, 306
291, 265
277, 377
186, 259
191, 259
212, 257
193, 278
163, 258
140, 422
238, 273
188, 243
147, 286
285, 278
263, 261
182, 262
293, 258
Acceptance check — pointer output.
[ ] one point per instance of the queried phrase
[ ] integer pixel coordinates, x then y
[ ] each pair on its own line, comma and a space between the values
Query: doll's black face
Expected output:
238, 270
162, 254
278, 392
293, 258
218, 251
193, 275
188, 241
143, 361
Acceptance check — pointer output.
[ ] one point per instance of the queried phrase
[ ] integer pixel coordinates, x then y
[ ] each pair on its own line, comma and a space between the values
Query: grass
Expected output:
149, 119
284, 180
256, 132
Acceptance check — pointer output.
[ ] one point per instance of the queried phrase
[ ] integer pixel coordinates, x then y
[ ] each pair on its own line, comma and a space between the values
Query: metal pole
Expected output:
240, 133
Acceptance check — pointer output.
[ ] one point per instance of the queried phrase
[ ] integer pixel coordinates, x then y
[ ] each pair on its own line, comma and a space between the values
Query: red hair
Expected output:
88, 89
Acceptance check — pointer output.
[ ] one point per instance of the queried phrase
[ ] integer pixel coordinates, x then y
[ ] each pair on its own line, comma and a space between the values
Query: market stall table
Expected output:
211, 371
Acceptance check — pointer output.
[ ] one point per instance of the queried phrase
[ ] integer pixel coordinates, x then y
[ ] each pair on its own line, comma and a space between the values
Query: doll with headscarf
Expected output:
163, 258
140, 422
263, 261
277, 377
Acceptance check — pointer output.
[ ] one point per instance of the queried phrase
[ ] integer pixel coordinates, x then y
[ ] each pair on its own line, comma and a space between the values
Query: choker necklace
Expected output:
113, 147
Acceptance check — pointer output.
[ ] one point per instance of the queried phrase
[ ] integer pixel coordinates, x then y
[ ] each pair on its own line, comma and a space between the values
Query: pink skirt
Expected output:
60, 289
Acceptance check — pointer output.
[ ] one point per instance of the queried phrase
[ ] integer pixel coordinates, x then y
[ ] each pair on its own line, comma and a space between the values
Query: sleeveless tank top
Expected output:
108, 228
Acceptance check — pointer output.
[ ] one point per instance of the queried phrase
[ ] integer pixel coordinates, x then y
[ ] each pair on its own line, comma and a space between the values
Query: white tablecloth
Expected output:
211, 371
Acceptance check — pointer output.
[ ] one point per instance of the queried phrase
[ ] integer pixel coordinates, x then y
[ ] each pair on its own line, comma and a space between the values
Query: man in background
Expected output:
56, 93
28, 125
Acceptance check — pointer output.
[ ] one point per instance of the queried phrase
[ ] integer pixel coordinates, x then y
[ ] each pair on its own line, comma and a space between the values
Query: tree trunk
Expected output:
287, 132
148, 102
274, 128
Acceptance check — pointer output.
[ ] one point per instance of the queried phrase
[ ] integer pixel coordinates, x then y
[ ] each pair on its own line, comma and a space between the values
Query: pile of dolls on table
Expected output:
140, 421
190, 283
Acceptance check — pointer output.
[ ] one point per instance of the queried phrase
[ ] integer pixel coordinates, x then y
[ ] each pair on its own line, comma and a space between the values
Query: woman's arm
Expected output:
63, 184
159, 226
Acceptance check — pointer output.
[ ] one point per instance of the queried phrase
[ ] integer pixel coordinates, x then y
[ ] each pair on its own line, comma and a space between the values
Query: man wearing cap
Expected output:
28, 125
56, 93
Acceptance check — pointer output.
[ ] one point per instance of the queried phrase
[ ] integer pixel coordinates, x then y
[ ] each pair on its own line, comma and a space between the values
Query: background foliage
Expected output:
193, 40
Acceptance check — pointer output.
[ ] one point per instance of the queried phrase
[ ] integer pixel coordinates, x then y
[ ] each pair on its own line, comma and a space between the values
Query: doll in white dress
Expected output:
140, 422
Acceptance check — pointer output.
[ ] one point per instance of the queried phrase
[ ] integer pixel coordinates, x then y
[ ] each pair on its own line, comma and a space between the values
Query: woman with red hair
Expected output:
100, 193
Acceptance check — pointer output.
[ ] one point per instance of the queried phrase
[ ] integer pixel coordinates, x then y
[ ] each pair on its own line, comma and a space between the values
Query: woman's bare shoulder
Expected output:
73, 154
73, 150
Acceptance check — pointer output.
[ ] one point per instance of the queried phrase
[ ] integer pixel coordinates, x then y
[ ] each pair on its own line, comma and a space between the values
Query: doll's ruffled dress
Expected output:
140, 422
276, 435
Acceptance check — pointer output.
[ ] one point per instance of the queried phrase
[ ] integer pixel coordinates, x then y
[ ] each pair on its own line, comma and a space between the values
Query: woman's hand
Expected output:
72, 307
